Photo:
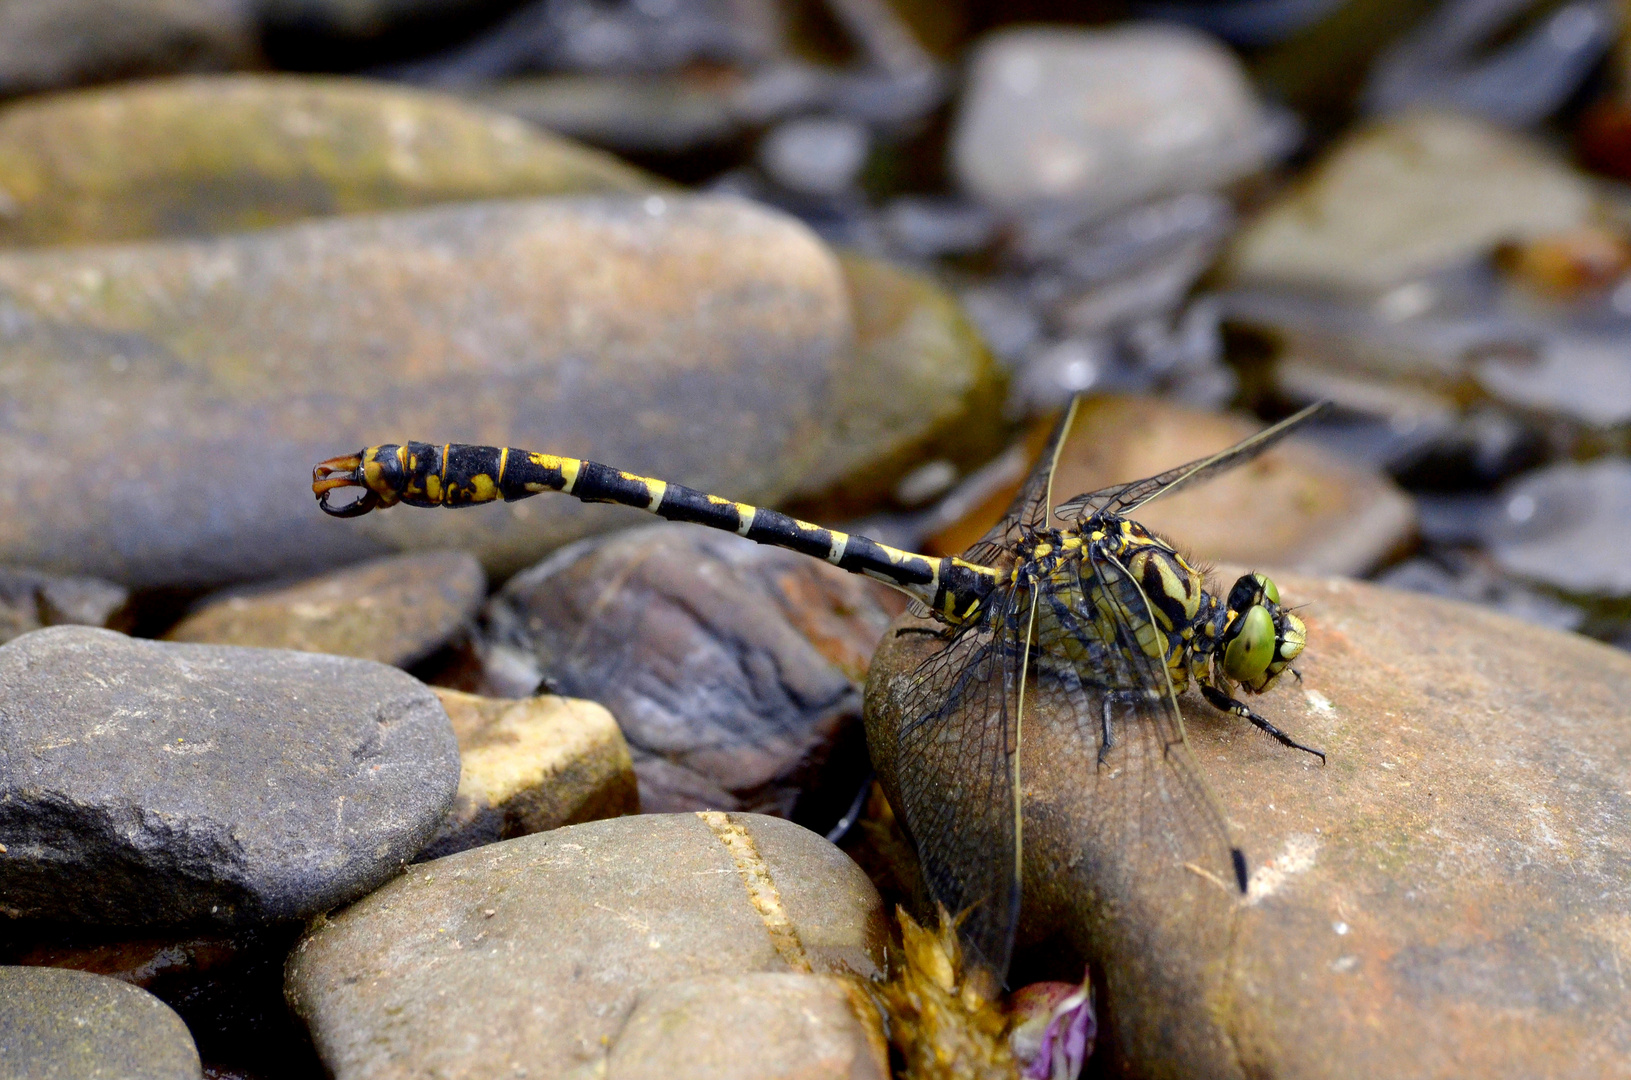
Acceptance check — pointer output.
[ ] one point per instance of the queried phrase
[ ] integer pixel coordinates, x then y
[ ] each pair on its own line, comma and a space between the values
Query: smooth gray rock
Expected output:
145, 782
1566, 527
30, 600
168, 400
72, 1025
1410, 196
1103, 119
50, 43
532, 953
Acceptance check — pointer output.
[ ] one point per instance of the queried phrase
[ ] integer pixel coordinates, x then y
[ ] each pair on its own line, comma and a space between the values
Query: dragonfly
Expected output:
1072, 612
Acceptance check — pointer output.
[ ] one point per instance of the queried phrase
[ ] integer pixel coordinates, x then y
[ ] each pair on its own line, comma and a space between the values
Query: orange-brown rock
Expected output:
531, 765
395, 610
1295, 507
1447, 897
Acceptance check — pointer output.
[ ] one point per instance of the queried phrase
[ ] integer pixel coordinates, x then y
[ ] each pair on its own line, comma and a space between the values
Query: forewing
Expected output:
955, 777
1123, 499
1147, 810
1029, 510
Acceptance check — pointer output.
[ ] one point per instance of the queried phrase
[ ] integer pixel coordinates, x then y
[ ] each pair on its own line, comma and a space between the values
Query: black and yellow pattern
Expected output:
458, 474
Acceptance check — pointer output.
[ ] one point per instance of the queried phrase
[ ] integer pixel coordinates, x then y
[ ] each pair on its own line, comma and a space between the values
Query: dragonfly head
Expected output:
1262, 638
378, 470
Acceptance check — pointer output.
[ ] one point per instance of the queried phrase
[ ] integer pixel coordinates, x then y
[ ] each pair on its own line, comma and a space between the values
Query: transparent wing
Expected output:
1137, 849
955, 773
1123, 499
1029, 510
1142, 807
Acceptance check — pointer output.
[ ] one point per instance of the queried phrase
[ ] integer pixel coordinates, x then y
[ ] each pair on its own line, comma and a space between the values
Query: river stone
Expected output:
733, 669
1447, 896
396, 610
146, 782
1565, 526
631, 114
72, 1025
49, 43
753, 1027
1296, 507
530, 766
1407, 196
171, 389
356, 18
214, 154
530, 954
921, 387
1104, 119
227, 988
30, 600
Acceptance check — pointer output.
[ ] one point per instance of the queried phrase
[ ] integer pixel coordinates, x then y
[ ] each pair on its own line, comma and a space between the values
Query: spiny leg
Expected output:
944, 633
1109, 741
1224, 703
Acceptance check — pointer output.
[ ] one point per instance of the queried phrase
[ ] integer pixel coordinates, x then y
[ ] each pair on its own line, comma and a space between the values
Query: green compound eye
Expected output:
1248, 656
1270, 590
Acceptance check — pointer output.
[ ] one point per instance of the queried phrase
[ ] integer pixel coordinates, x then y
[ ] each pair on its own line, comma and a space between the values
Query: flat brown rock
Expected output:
532, 765
531, 953
1295, 507
397, 610
1446, 898
180, 391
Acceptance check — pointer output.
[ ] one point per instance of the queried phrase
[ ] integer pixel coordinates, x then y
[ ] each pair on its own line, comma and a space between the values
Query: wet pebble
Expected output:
1408, 196
71, 1025
1103, 119
733, 669
1454, 864
530, 766
470, 322
30, 600
1580, 376
1565, 526
534, 953
397, 611
650, 115
815, 155
154, 783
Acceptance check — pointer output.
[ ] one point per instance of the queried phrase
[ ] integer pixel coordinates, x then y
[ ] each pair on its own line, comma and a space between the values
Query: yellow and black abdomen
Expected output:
458, 474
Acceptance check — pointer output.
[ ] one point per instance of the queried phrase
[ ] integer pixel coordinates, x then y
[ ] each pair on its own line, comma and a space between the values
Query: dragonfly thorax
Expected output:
1118, 565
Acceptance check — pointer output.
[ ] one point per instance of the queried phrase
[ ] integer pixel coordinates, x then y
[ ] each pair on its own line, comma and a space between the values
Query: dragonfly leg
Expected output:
941, 632
1224, 703
1109, 741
